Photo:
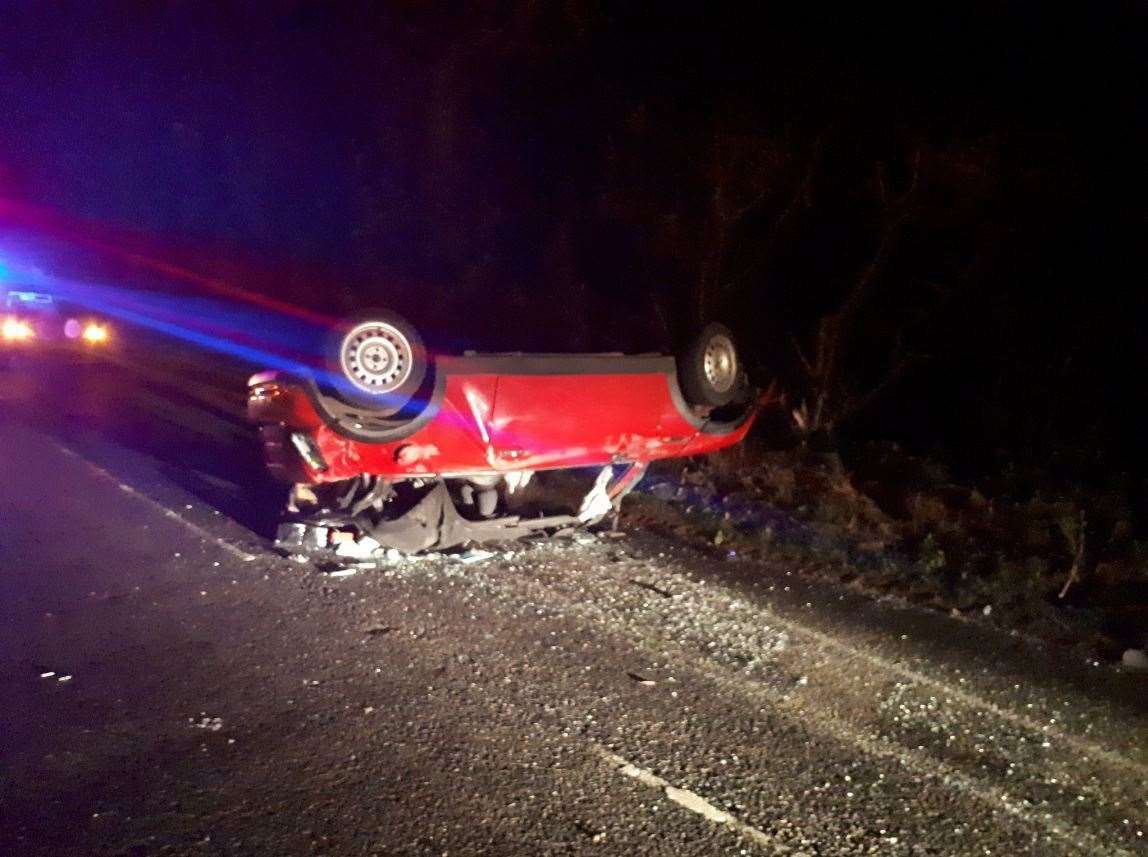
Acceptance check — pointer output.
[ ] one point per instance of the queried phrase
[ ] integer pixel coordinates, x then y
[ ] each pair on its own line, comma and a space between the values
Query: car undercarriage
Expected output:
364, 517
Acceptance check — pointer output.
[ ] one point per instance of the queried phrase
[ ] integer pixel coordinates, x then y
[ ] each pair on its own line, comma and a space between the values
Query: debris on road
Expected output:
342, 572
300, 541
657, 590
474, 555
665, 491
430, 522
641, 679
363, 547
211, 724
597, 502
296, 537
1135, 659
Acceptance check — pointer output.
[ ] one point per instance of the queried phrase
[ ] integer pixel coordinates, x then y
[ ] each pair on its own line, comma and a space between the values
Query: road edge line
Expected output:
155, 504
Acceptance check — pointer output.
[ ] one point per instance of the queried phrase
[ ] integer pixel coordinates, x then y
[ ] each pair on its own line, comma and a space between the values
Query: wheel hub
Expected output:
720, 363
376, 357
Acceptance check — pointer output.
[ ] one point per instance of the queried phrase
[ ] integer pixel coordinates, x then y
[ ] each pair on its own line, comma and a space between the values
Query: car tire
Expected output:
377, 360
709, 369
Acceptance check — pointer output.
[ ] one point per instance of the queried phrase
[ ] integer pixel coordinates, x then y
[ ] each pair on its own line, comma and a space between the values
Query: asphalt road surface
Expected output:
168, 685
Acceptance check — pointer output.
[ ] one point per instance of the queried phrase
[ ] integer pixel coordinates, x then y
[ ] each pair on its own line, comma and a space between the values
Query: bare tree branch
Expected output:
801, 355
802, 199
899, 370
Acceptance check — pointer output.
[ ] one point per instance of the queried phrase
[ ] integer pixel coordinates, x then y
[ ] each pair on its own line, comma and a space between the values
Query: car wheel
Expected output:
710, 371
380, 361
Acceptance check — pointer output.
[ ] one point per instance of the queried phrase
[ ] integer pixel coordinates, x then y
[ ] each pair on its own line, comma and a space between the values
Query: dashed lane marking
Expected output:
835, 728
849, 650
685, 798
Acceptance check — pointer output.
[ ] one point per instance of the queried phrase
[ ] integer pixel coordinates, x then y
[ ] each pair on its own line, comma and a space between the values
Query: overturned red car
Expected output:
394, 439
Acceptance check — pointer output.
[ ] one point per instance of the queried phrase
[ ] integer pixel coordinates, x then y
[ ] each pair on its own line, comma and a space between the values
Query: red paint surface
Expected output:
500, 423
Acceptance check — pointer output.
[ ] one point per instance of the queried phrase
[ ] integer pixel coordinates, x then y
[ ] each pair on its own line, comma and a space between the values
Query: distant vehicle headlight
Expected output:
15, 330
95, 333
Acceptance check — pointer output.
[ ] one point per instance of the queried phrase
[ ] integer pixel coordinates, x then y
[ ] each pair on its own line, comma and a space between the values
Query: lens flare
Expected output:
15, 330
95, 333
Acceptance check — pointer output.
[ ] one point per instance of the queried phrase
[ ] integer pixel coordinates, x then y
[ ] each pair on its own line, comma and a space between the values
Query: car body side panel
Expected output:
491, 419
544, 421
453, 441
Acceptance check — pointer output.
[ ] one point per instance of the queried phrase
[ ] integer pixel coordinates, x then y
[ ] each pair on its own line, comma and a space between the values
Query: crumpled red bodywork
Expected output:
495, 415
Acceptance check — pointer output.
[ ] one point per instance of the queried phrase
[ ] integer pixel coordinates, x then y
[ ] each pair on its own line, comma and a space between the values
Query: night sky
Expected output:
575, 175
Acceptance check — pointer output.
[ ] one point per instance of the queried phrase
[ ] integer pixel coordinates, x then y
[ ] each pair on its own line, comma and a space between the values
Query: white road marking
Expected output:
155, 504
685, 798
830, 725
937, 770
850, 651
